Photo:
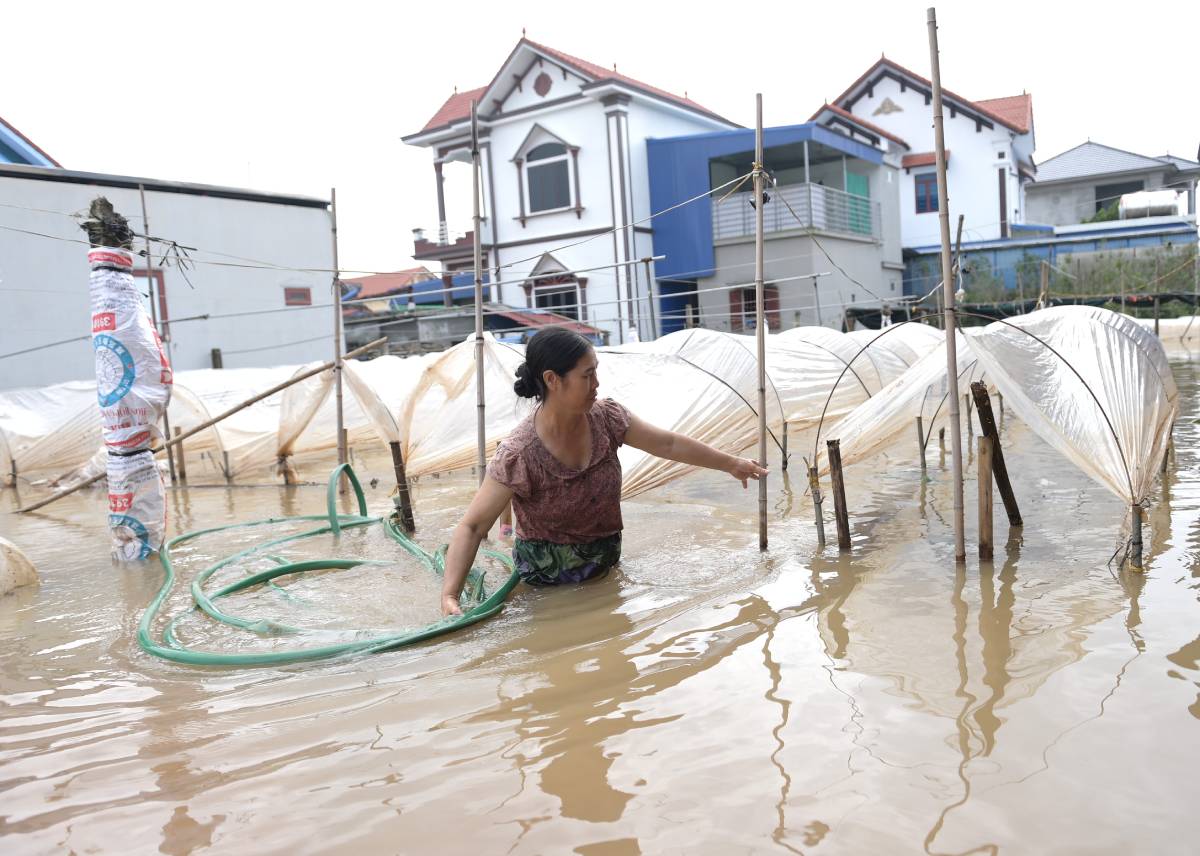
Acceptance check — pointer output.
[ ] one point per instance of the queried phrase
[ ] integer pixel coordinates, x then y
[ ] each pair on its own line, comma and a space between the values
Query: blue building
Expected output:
832, 236
15, 147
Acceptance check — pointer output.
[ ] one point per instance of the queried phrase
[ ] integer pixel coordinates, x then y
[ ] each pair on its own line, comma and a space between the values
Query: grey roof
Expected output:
1090, 159
1180, 163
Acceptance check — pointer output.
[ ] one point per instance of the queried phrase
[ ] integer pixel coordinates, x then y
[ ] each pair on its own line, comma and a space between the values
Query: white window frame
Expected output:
559, 288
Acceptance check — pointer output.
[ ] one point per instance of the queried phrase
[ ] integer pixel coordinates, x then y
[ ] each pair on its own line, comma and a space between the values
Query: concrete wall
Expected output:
1067, 203
44, 282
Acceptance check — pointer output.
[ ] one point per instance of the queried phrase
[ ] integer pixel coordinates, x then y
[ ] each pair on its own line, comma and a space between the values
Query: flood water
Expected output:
703, 698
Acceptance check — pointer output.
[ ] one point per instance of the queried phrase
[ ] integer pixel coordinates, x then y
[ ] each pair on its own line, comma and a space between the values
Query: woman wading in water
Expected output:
559, 469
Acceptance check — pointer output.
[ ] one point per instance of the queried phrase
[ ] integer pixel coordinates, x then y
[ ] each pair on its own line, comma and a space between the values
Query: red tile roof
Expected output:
458, 106
30, 142
1017, 109
858, 120
543, 318
921, 159
387, 284
965, 102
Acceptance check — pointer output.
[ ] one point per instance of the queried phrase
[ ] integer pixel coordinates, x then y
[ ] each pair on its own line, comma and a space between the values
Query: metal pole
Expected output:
481, 428
960, 547
760, 327
150, 285
337, 334
650, 299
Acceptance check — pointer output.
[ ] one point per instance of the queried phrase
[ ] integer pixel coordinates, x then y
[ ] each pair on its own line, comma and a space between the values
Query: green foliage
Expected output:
1111, 211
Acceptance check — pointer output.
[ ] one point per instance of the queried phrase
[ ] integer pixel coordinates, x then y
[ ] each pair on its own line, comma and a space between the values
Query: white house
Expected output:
256, 257
989, 147
564, 163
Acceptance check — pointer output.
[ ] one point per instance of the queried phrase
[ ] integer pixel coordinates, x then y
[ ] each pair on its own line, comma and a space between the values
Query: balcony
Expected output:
820, 208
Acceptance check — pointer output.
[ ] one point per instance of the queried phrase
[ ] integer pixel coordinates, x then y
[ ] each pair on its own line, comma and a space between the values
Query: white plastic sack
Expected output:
137, 508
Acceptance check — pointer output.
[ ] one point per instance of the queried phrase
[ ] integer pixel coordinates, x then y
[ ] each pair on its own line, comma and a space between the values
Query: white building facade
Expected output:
565, 184
990, 146
256, 258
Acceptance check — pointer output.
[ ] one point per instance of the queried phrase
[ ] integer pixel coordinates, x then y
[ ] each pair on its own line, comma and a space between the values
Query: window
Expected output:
742, 310
563, 299
293, 296
1110, 194
927, 194
548, 177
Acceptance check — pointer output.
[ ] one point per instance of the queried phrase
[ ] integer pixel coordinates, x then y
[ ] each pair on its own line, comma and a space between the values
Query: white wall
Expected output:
44, 282
1073, 202
972, 171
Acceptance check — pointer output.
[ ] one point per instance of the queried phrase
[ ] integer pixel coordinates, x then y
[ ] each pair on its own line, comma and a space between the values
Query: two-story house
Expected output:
989, 150
565, 184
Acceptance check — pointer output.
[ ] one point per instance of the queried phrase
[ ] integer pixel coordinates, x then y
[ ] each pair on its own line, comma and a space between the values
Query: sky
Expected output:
301, 97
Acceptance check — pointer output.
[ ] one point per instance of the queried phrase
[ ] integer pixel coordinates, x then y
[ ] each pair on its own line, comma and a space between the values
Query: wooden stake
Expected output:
839, 494
181, 458
939, 138
970, 421
987, 427
480, 398
784, 444
225, 466
759, 320
942, 440
921, 443
1156, 315
814, 485
211, 422
1135, 547
403, 497
985, 498
337, 331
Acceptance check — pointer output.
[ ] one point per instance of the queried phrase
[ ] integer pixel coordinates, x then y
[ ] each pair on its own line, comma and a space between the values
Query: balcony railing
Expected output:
817, 207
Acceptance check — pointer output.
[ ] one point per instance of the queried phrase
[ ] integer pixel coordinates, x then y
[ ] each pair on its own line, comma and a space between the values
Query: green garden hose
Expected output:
477, 602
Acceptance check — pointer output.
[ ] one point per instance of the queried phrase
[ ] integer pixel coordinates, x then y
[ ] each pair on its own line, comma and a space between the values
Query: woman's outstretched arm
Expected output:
677, 447
491, 499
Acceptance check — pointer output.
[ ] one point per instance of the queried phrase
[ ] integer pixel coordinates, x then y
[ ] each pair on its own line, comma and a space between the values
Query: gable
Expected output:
539, 82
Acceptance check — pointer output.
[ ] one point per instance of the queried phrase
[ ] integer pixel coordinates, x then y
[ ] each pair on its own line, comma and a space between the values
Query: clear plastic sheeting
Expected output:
1093, 384
892, 414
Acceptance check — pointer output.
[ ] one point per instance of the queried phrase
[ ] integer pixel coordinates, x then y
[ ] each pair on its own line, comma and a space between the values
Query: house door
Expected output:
860, 205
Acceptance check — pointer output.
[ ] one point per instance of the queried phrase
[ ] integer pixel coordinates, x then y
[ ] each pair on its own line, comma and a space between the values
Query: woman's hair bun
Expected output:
525, 385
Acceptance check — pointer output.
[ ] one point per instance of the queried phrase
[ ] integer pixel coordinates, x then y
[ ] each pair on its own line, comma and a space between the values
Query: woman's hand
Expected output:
450, 605
743, 469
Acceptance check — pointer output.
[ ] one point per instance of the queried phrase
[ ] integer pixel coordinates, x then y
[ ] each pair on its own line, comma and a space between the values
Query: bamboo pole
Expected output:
179, 438
987, 428
960, 548
759, 322
921, 443
841, 516
985, 498
814, 485
337, 337
403, 496
481, 400
159, 329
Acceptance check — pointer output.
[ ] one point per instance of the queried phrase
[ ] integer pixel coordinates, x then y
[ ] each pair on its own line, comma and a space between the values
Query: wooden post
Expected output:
939, 138
403, 497
839, 494
921, 443
152, 290
689, 318
785, 451
942, 440
759, 320
970, 421
1135, 545
225, 466
1156, 315
1000, 406
1167, 449
985, 498
480, 398
182, 459
1043, 295
217, 361
337, 334
814, 485
654, 312
987, 427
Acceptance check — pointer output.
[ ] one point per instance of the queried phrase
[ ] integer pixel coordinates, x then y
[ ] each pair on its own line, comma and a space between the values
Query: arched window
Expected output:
548, 177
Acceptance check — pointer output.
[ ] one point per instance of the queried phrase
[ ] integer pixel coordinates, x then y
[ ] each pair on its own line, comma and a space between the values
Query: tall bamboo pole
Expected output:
481, 403
939, 137
337, 331
158, 328
759, 320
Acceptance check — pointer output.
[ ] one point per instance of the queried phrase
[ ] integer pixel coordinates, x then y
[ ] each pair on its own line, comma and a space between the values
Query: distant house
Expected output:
989, 149
1076, 185
564, 162
15, 147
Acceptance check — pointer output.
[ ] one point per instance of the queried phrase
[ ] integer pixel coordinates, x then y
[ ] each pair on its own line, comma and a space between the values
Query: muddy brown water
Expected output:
703, 698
